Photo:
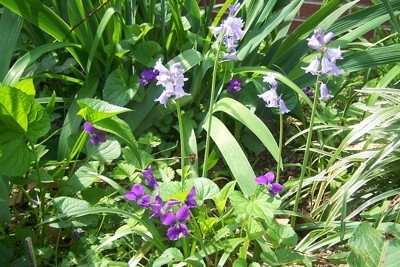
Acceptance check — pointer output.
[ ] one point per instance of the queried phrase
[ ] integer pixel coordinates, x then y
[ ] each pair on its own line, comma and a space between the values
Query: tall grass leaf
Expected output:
10, 26
239, 112
233, 155
77, 14
16, 71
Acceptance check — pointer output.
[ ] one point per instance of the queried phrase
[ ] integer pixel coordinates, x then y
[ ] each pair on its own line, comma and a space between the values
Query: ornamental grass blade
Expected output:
10, 26
233, 155
242, 114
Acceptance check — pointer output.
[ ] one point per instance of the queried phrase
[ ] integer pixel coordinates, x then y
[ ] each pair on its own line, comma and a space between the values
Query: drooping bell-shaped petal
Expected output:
324, 92
233, 9
265, 179
334, 69
270, 78
319, 39
283, 107
313, 67
325, 65
270, 97
333, 53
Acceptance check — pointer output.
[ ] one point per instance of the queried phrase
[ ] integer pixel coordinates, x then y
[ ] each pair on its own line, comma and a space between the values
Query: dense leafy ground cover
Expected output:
174, 133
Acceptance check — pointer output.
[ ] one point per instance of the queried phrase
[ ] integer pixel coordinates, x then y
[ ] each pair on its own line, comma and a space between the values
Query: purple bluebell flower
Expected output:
147, 76
232, 29
271, 98
268, 180
175, 222
78, 233
234, 85
96, 136
35, 202
283, 107
318, 40
137, 194
172, 80
151, 181
190, 200
270, 79
324, 92
333, 54
158, 208
313, 67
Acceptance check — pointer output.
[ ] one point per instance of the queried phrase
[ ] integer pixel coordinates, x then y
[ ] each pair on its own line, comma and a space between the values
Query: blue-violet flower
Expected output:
190, 200
177, 228
151, 181
234, 85
268, 180
137, 194
172, 80
283, 107
147, 76
324, 92
96, 136
158, 208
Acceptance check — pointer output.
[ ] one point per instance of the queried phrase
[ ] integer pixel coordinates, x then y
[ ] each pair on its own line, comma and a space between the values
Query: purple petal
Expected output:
88, 127
265, 179
144, 201
183, 214
131, 196
168, 218
283, 107
138, 190
150, 179
275, 188
183, 229
173, 232
170, 203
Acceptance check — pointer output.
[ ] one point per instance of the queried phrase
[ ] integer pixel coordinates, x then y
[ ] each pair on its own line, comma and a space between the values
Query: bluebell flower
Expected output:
283, 107
172, 80
270, 79
318, 40
271, 98
324, 92
313, 67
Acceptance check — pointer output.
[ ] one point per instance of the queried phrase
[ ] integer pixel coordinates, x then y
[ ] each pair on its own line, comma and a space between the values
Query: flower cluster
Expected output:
268, 180
232, 29
164, 211
325, 61
147, 76
271, 97
172, 80
96, 136
234, 85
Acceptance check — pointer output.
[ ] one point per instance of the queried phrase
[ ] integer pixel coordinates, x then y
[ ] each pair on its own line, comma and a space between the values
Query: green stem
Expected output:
211, 110
306, 154
182, 136
278, 169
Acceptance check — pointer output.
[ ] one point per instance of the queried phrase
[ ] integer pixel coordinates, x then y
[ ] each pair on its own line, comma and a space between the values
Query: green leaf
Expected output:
119, 88
251, 121
170, 255
15, 157
5, 215
172, 190
26, 86
123, 170
233, 155
144, 160
81, 178
40, 176
369, 248
108, 150
94, 110
222, 196
205, 189
69, 206
147, 53
281, 235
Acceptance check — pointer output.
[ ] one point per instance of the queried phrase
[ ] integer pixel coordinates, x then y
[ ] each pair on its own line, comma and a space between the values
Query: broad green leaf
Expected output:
172, 190
205, 189
26, 86
39, 176
147, 53
370, 248
15, 157
108, 150
5, 215
94, 110
123, 170
171, 255
222, 196
233, 155
251, 121
119, 88
82, 179
281, 235
140, 161
69, 206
